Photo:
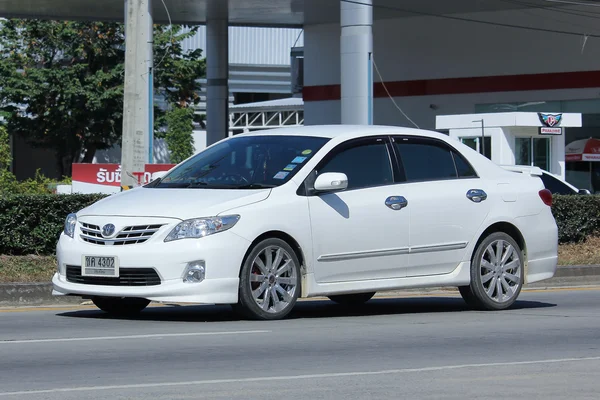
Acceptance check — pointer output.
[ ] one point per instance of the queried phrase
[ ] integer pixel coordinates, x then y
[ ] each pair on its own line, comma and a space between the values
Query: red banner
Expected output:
110, 174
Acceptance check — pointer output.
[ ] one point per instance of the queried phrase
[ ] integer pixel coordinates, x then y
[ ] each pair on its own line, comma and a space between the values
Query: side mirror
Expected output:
584, 191
157, 175
331, 182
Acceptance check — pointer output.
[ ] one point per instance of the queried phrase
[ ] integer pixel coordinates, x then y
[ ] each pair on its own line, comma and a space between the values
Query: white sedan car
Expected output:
261, 219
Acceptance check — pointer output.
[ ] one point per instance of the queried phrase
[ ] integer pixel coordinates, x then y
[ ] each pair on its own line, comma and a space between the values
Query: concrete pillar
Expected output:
557, 155
356, 47
137, 101
217, 71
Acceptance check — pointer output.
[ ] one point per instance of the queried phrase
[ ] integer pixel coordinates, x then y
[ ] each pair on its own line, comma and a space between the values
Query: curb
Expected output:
40, 293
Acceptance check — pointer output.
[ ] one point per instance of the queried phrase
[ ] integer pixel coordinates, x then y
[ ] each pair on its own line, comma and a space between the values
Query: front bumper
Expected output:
222, 254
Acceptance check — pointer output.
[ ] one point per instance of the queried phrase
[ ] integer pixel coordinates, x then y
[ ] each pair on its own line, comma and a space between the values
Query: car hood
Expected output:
173, 203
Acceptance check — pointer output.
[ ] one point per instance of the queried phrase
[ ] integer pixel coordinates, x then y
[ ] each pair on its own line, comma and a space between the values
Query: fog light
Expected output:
194, 272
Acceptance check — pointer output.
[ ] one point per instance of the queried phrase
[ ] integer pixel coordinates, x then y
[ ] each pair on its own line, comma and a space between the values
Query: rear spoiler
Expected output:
533, 171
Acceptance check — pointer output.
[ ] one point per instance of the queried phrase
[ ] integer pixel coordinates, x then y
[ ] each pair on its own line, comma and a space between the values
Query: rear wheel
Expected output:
496, 274
121, 306
269, 281
354, 299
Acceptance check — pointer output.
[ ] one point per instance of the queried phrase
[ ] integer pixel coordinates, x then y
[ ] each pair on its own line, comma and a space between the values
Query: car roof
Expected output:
345, 131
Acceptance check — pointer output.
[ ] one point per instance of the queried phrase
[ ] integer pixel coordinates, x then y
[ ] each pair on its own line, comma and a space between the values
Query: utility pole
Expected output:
137, 100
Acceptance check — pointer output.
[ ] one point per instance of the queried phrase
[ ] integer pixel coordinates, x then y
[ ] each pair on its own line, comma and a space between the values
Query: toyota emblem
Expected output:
108, 230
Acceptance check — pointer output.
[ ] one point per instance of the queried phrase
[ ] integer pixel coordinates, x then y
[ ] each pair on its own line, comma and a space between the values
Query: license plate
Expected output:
100, 266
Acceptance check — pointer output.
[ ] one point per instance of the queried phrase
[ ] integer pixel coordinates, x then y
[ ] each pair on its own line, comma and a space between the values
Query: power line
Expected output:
477, 21
555, 9
551, 10
576, 3
168, 47
390, 95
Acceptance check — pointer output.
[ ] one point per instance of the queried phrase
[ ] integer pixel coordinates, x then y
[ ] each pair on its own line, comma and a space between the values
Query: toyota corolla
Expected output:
261, 219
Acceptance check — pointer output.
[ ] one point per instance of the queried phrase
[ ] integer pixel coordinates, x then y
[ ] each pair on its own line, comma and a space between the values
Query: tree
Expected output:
176, 81
62, 82
179, 133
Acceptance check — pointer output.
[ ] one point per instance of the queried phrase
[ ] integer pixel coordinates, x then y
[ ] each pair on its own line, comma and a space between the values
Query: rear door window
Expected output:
430, 160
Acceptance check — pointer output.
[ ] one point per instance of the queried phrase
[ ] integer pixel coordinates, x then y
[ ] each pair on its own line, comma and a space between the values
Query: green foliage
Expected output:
68, 77
5, 156
577, 217
177, 72
179, 134
31, 224
8, 182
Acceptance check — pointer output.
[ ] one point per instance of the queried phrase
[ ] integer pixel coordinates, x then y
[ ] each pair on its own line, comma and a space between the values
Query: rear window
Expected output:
555, 186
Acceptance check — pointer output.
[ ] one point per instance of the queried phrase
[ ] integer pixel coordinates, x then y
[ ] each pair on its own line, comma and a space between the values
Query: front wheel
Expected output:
121, 306
496, 274
269, 281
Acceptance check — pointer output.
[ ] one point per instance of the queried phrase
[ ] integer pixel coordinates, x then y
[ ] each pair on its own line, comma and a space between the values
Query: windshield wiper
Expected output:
254, 186
197, 184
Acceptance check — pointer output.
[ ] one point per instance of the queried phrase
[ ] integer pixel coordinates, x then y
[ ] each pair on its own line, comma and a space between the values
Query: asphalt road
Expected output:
546, 347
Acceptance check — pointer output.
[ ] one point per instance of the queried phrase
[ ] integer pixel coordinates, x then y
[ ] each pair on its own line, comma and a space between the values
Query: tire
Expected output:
354, 299
121, 306
276, 279
495, 285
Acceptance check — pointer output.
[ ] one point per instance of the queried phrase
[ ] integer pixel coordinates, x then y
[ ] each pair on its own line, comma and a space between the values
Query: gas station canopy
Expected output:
290, 13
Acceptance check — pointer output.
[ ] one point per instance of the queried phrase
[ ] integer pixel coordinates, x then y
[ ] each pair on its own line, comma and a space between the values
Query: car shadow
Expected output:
305, 309
335, 202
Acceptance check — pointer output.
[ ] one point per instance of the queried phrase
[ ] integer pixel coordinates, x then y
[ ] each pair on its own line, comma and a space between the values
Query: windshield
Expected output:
245, 162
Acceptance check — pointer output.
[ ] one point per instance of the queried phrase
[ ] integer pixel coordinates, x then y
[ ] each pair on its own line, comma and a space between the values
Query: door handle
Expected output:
476, 195
396, 202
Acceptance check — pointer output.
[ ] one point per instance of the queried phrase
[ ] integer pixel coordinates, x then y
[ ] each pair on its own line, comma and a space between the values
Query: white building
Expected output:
514, 138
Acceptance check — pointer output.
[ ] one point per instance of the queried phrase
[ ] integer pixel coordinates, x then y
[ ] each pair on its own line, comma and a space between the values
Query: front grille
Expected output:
127, 277
129, 235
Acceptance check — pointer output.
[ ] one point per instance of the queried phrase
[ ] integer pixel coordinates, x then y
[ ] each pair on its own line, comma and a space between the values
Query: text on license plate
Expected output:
100, 266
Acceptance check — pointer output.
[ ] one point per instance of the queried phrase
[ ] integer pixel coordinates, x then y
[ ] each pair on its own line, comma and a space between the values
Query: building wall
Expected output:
253, 46
427, 49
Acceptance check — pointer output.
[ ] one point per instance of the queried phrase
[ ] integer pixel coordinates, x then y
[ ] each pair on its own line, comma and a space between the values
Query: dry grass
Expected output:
41, 268
27, 268
580, 253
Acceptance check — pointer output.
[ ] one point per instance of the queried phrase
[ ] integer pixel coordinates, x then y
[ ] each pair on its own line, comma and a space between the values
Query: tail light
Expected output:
546, 197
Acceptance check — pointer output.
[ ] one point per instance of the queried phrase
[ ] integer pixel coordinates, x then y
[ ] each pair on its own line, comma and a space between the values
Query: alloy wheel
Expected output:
500, 271
273, 279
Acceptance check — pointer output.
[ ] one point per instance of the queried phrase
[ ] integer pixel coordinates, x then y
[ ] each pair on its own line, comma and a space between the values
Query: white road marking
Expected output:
296, 377
156, 335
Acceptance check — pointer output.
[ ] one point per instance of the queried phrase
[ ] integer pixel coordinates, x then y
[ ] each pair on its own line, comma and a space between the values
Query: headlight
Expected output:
200, 227
70, 224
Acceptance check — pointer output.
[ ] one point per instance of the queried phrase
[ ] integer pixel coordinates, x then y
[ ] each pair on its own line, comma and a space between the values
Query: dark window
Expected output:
463, 167
250, 162
555, 186
425, 161
364, 165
